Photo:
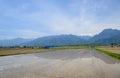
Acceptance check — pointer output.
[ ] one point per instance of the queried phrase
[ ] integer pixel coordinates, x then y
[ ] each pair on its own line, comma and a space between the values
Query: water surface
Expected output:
60, 64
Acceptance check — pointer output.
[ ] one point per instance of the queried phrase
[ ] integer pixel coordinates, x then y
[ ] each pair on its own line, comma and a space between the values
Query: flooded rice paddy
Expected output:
60, 64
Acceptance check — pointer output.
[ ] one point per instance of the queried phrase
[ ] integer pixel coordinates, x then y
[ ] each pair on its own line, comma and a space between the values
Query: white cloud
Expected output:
31, 33
23, 33
82, 20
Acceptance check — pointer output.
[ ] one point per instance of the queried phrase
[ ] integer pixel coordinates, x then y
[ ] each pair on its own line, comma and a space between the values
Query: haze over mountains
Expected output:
107, 36
58, 40
13, 42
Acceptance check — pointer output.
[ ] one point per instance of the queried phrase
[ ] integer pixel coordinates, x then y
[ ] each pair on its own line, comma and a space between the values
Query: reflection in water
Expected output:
60, 64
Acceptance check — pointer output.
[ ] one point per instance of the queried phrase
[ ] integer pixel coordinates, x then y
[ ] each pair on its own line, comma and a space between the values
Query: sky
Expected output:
37, 18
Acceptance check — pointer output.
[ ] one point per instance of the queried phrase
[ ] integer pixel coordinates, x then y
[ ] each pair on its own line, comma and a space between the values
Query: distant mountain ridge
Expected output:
106, 33
58, 40
107, 36
86, 37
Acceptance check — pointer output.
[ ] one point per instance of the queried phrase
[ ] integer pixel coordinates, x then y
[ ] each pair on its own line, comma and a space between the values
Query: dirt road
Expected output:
60, 64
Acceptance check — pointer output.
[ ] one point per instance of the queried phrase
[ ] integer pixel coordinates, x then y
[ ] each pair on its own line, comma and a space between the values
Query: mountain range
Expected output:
107, 36
58, 40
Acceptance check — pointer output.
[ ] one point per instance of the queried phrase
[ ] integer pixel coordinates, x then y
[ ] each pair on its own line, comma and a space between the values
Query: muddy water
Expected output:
60, 64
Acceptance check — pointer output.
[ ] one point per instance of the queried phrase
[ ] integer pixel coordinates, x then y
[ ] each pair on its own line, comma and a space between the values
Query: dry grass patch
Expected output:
110, 49
15, 51
115, 55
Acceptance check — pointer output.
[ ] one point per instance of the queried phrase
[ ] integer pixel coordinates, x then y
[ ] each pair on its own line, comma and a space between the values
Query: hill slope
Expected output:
107, 36
57, 41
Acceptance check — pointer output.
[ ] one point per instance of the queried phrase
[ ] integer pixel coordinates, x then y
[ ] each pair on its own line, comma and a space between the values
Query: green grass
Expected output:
115, 55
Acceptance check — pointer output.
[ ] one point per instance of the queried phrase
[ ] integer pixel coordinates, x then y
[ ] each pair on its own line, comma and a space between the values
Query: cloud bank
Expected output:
36, 18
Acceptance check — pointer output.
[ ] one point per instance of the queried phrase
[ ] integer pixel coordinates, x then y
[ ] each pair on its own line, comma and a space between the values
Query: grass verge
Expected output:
115, 55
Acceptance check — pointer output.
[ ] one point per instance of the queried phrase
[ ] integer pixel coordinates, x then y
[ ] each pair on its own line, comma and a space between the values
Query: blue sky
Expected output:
37, 18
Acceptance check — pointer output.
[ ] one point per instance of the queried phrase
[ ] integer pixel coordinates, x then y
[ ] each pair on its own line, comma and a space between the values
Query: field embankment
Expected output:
111, 51
71, 47
16, 51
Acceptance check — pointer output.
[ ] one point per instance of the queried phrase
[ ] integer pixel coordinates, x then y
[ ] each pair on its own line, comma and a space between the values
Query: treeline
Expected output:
115, 44
20, 47
40, 47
